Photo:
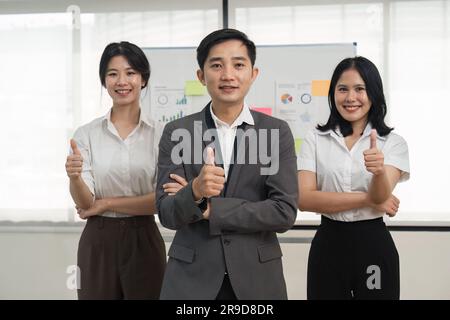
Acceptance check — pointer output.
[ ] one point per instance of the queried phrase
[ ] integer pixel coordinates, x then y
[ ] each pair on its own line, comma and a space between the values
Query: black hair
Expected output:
220, 36
374, 88
134, 55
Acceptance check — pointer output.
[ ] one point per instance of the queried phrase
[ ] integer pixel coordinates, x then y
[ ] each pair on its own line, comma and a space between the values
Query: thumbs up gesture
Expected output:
374, 158
209, 156
211, 179
74, 162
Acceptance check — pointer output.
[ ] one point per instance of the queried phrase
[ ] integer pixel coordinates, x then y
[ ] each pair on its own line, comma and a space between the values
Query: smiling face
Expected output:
123, 82
351, 98
228, 73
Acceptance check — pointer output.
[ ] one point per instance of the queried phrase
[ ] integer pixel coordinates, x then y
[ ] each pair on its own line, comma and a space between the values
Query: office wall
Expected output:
33, 265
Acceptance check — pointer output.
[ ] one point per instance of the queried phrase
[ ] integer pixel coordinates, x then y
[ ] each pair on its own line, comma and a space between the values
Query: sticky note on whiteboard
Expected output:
298, 145
267, 111
194, 88
320, 87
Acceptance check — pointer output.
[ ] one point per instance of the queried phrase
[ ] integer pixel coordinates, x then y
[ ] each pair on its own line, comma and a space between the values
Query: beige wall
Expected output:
34, 264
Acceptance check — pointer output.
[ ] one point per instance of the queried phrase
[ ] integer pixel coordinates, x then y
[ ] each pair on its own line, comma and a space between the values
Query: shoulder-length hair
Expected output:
374, 88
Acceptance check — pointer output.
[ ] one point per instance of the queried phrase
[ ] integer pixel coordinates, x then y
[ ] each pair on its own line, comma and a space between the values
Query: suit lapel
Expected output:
210, 125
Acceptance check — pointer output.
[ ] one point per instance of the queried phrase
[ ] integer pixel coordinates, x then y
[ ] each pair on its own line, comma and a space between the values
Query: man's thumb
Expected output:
373, 139
209, 156
74, 147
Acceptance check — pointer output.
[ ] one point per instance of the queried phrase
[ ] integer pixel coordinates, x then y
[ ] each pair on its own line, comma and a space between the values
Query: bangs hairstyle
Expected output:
134, 55
374, 88
220, 36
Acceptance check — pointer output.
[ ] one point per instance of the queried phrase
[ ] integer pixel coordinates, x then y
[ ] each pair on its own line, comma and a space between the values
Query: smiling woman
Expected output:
112, 171
348, 169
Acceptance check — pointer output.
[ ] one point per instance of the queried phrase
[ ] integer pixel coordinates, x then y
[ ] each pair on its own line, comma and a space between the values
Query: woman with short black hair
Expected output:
112, 171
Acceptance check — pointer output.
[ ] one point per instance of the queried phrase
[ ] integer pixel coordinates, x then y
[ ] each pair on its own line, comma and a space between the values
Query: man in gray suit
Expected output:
237, 199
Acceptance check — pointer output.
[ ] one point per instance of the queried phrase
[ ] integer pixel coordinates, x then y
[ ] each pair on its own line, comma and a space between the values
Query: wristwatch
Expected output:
202, 204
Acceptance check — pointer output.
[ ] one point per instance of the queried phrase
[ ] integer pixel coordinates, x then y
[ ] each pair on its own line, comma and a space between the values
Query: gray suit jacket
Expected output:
240, 236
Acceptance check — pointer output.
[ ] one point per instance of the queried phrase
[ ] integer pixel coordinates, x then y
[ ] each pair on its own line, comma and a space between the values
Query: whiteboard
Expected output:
286, 86
279, 67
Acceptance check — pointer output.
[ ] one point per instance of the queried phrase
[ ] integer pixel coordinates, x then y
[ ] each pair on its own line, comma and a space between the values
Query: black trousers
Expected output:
226, 291
121, 258
353, 260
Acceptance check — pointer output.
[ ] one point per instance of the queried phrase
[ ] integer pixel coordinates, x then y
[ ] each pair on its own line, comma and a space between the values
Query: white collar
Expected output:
245, 116
143, 117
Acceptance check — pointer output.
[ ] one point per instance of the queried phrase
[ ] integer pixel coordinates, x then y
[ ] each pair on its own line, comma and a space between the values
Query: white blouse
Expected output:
113, 167
338, 169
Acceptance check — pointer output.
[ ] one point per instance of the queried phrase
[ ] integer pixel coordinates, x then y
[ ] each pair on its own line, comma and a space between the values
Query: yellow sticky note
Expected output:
320, 87
194, 88
298, 144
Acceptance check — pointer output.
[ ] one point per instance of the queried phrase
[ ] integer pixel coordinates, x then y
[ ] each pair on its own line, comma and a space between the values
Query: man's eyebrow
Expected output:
214, 59
240, 58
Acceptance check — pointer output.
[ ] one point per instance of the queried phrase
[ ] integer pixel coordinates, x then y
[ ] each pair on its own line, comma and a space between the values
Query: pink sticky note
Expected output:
267, 111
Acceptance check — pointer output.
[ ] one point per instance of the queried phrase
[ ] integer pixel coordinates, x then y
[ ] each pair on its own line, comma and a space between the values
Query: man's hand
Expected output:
211, 179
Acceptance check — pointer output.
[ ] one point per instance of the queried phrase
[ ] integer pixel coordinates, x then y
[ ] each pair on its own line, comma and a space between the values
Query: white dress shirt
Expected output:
113, 167
341, 170
227, 134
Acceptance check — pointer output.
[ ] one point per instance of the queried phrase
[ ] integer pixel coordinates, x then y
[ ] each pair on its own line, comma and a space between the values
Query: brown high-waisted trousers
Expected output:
121, 258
